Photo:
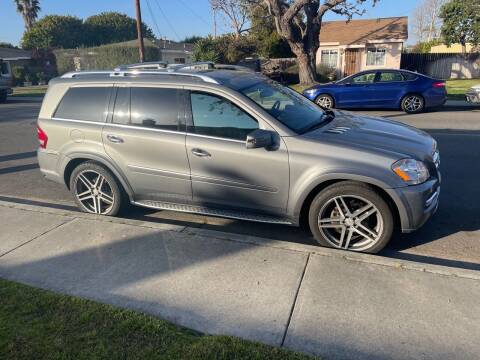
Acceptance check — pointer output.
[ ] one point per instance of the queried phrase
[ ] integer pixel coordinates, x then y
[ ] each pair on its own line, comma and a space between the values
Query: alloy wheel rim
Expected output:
324, 101
94, 192
413, 103
350, 222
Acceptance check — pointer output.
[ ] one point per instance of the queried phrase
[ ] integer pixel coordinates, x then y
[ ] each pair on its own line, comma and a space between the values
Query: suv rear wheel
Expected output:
96, 190
351, 216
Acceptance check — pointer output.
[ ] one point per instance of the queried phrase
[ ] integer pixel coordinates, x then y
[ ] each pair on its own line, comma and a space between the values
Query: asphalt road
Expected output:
451, 237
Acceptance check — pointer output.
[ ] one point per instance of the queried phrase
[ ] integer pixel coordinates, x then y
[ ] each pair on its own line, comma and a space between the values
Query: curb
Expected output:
259, 241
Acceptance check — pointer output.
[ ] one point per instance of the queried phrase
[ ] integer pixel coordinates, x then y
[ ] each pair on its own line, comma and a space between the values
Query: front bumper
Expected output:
417, 204
472, 97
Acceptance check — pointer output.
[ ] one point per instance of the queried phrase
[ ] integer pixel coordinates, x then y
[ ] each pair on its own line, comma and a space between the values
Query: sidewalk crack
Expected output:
36, 237
295, 300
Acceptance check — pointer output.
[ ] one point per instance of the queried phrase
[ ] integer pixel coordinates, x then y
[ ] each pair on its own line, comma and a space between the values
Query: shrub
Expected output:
326, 73
105, 57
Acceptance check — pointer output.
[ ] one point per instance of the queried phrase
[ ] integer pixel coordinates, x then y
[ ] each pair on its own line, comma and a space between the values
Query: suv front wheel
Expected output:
351, 216
96, 190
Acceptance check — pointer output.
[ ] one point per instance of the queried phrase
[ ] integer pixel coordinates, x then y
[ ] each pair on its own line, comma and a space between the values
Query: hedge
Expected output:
103, 57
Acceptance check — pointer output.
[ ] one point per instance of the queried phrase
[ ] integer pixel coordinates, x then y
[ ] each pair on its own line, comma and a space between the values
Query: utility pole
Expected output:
214, 16
141, 48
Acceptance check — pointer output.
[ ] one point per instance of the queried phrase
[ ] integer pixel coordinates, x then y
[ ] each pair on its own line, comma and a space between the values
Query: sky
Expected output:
174, 19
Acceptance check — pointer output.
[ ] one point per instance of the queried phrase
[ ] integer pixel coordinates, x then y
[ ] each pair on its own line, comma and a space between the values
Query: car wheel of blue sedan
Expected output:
413, 103
325, 101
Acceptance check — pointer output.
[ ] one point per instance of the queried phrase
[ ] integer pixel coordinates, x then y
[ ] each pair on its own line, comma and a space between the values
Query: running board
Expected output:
231, 214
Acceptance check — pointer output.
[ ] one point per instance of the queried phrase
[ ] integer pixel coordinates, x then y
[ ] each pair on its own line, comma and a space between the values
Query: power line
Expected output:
153, 19
194, 12
167, 21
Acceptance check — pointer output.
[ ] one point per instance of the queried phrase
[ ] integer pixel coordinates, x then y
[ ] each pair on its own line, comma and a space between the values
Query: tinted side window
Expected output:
84, 103
121, 112
364, 78
390, 76
215, 116
409, 76
155, 108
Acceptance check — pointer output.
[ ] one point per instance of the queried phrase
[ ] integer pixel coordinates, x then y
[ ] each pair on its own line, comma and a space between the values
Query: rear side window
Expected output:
409, 76
84, 103
121, 112
156, 108
388, 76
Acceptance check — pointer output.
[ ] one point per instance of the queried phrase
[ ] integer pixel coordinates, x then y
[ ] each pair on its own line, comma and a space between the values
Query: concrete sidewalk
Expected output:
330, 303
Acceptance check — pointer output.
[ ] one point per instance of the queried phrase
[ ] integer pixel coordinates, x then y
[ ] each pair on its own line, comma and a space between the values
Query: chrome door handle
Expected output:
200, 152
114, 139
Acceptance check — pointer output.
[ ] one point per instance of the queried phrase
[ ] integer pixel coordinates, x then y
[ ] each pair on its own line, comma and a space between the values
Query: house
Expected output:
452, 49
14, 56
364, 44
173, 52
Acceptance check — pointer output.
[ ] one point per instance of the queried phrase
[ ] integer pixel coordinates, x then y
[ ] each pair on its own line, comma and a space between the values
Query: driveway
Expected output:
450, 238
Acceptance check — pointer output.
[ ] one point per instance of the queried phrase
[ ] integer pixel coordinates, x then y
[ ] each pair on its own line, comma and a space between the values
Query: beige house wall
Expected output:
393, 55
169, 56
454, 48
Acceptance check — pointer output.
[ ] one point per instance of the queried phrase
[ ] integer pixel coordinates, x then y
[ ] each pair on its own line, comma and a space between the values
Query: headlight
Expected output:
411, 171
310, 91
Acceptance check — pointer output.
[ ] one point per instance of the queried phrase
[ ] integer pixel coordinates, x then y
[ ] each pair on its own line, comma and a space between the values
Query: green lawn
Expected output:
38, 324
456, 89
29, 90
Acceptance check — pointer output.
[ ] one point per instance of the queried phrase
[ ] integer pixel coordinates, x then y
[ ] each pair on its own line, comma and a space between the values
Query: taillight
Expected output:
42, 137
438, 84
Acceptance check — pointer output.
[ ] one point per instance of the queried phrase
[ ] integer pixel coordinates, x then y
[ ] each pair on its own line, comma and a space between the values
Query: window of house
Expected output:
156, 108
84, 103
376, 56
215, 116
179, 60
329, 58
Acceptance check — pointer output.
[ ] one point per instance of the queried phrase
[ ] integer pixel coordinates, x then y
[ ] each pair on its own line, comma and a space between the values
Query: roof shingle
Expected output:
364, 30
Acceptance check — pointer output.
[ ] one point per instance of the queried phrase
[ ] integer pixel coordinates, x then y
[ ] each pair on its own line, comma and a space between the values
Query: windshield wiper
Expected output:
328, 116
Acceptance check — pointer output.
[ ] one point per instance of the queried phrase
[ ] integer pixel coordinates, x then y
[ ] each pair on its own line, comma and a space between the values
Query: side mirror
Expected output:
259, 139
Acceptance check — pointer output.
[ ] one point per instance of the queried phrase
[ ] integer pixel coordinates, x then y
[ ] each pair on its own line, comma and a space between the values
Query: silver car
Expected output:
232, 143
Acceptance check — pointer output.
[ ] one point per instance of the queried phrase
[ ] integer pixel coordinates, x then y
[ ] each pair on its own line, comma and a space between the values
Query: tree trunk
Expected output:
306, 69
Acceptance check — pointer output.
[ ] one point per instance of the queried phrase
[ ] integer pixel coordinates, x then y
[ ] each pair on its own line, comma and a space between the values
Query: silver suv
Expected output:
232, 143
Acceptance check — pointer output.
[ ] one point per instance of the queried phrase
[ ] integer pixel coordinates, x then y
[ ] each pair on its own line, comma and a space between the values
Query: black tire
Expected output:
355, 193
408, 107
114, 189
3, 97
325, 99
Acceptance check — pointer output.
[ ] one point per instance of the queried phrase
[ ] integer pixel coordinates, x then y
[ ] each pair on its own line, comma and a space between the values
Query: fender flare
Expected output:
105, 161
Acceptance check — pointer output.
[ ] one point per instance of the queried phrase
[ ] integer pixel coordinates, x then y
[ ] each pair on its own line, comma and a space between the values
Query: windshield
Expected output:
286, 105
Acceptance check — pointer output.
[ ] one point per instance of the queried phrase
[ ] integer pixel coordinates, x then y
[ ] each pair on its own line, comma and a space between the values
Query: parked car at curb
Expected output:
235, 144
390, 89
5, 80
473, 94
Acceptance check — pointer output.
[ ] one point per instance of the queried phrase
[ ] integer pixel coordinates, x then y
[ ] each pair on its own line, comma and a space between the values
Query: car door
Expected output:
224, 172
388, 88
356, 91
146, 139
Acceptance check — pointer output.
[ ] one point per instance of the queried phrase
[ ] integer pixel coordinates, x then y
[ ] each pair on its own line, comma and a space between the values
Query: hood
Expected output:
376, 134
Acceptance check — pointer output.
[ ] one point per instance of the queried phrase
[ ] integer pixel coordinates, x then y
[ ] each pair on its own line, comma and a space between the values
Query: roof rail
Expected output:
134, 72
149, 65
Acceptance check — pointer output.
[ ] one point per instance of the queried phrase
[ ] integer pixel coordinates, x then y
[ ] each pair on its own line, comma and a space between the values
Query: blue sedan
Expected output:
394, 89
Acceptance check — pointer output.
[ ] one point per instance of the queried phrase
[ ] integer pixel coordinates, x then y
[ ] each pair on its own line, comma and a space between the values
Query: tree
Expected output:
299, 23
54, 31
262, 32
29, 10
235, 11
205, 50
7, 45
192, 39
111, 27
461, 22
426, 20
425, 46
